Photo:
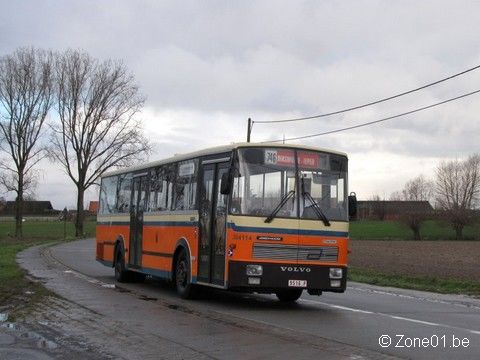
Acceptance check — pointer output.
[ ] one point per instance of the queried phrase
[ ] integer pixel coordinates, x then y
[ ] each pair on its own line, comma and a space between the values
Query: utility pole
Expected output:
249, 129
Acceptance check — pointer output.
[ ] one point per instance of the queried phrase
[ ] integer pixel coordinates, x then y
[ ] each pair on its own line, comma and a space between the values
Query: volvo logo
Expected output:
299, 269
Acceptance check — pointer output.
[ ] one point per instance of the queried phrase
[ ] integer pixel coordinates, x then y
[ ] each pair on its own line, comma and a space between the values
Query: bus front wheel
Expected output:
183, 284
289, 295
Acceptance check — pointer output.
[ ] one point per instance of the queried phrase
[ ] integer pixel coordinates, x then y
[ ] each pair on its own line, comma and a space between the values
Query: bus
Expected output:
259, 218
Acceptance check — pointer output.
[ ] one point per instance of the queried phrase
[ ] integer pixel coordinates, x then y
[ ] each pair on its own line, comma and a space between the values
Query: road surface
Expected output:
148, 320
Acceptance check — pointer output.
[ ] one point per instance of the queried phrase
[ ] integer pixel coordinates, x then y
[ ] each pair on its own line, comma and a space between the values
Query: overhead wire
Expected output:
372, 102
378, 121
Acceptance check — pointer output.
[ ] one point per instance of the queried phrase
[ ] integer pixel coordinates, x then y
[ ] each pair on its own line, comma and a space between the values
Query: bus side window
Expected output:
186, 186
124, 190
108, 195
155, 189
160, 188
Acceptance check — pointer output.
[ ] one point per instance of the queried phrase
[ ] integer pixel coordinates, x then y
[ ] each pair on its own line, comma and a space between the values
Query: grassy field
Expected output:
384, 253
388, 230
34, 229
15, 288
424, 283
433, 265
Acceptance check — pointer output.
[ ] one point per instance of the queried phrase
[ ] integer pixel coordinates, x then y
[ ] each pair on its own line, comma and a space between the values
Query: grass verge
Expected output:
443, 286
17, 293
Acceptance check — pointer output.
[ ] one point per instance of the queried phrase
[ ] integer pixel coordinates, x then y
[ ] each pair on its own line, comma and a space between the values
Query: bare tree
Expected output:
414, 215
97, 130
396, 196
25, 99
458, 191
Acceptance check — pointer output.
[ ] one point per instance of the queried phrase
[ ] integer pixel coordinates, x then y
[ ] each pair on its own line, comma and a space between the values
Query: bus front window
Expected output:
323, 178
263, 178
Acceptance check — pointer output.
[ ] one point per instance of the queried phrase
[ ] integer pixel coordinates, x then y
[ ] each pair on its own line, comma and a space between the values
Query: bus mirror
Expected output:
352, 205
226, 184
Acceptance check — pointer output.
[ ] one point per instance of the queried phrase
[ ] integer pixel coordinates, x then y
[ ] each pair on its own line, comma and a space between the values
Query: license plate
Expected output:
297, 283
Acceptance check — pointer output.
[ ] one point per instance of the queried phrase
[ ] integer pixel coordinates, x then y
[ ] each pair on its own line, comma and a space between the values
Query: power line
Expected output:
371, 103
380, 120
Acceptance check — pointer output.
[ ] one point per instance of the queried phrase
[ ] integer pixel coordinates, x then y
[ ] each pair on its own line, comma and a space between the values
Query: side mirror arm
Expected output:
352, 205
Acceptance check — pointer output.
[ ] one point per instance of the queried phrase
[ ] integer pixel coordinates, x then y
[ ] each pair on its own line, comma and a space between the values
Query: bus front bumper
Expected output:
286, 276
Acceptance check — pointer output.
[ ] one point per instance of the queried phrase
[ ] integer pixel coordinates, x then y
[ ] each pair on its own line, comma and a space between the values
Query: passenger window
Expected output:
186, 186
161, 188
124, 193
108, 195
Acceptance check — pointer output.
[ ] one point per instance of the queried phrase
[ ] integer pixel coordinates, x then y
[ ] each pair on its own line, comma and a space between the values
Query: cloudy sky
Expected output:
206, 66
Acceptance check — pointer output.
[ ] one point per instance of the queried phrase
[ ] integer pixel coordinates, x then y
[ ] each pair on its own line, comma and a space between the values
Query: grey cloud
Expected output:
207, 66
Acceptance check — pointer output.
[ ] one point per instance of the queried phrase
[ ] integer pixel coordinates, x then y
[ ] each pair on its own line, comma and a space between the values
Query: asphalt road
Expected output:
411, 324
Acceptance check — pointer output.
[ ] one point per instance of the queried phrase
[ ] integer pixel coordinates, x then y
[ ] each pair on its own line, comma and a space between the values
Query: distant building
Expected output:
93, 207
390, 210
30, 208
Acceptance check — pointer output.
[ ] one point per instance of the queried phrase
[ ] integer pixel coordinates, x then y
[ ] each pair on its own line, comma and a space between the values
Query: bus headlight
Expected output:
254, 270
336, 273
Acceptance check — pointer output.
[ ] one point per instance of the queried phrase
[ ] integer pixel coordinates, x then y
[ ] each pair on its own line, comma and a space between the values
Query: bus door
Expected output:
139, 195
212, 223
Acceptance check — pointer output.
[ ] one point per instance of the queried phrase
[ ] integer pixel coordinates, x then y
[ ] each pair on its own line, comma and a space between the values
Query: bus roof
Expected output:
215, 150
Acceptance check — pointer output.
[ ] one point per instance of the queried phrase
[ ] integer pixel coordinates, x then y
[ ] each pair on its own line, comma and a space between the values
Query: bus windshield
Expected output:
265, 177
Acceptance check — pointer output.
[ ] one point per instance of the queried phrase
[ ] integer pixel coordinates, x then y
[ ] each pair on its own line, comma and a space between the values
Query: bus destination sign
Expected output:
287, 158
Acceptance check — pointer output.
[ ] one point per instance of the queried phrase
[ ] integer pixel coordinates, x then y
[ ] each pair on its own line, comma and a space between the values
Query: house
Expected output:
391, 210
93, 207
30, 208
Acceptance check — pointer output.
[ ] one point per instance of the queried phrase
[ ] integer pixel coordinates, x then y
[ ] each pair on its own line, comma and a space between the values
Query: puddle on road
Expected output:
8, 325
40, 341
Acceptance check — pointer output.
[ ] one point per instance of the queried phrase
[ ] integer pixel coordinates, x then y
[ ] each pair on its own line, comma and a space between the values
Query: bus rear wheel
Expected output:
121, 274
183, 284
289, 295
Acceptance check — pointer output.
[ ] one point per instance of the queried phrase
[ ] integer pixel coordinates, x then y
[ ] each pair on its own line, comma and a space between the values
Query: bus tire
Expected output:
182, 276
138, 276
121, 274
289, 295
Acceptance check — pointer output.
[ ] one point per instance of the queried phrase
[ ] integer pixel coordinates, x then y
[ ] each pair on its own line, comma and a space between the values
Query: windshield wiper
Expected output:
283, 201
318, 210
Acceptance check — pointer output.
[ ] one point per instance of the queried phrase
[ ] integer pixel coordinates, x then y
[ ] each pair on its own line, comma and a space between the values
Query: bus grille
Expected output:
293, 252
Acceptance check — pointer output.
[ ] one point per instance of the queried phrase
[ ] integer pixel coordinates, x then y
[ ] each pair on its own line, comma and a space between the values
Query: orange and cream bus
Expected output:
263, 218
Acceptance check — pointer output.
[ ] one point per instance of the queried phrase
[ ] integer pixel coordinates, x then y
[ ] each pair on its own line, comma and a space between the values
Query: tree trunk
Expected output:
415, 227
416, 234
80, 214
19, 210
459, 232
